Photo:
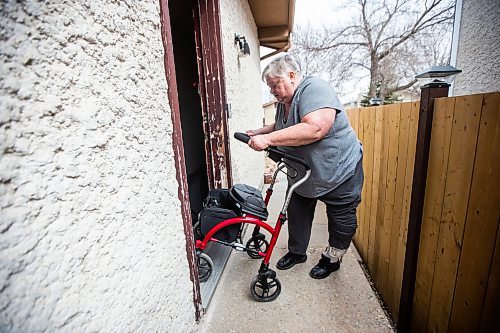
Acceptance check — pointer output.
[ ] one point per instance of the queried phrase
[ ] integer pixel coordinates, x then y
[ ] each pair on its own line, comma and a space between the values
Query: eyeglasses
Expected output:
273, 85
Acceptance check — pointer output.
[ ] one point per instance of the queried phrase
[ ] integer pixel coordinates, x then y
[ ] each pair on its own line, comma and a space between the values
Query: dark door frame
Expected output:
213, 92
214, 108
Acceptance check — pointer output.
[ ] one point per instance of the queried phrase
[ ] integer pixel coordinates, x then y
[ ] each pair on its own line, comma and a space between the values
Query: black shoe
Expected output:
290, 259
324, 268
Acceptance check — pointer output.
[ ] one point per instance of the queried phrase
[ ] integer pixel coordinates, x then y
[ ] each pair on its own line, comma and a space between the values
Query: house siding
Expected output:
478, 55
91, 233
243, 86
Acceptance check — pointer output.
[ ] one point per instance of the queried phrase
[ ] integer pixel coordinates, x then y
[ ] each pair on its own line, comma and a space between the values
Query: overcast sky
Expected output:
315, 12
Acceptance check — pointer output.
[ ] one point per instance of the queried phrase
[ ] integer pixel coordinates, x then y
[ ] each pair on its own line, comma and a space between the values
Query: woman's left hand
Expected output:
259, 142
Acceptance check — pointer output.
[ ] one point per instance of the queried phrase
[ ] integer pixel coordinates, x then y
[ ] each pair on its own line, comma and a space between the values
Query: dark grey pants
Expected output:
341, 204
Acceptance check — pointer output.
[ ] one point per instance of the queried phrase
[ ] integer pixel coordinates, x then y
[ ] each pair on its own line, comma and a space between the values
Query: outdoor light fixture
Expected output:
438, 75
243, 48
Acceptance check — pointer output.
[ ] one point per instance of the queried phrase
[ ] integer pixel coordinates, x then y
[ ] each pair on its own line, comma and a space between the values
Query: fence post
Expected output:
428, 93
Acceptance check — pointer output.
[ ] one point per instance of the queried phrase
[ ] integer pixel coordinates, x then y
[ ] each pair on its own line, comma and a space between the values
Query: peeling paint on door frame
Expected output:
213, 92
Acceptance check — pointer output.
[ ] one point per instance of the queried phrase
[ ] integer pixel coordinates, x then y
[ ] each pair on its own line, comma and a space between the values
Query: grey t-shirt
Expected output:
333, 158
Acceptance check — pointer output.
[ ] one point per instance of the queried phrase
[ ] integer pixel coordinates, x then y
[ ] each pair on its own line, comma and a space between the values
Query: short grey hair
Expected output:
280, 67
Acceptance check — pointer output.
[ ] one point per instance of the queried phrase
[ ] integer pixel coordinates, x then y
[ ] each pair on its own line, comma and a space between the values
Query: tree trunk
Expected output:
374, 74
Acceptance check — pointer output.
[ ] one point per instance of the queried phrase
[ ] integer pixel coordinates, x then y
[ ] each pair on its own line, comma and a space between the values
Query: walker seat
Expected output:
248, 199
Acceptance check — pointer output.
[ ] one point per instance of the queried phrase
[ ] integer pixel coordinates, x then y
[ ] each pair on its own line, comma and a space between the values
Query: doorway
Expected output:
186, 68
203, 123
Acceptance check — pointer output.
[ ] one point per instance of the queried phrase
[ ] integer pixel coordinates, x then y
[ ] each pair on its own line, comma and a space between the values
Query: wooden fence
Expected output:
457, 285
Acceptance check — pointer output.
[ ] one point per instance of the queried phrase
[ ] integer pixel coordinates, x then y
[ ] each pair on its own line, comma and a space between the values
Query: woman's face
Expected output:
282, 87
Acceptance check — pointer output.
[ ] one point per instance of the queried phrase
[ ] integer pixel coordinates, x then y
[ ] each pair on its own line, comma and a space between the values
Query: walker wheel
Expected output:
205, 267
265, 289
255, 244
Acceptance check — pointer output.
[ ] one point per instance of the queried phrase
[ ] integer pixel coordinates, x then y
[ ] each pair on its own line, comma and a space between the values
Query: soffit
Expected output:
274, 20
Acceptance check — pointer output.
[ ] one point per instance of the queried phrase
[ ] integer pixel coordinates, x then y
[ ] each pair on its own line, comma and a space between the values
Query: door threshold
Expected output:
219, 255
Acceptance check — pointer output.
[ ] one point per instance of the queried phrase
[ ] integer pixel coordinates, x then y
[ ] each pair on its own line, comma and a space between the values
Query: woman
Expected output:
311, 123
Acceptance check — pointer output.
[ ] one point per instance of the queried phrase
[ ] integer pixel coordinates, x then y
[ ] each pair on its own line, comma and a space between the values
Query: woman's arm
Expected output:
313, 127
263, 130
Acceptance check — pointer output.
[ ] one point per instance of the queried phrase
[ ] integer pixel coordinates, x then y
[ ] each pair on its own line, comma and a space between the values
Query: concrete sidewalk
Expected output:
343, 302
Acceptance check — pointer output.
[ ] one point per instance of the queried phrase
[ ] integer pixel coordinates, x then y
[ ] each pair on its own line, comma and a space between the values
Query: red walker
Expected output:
227, 210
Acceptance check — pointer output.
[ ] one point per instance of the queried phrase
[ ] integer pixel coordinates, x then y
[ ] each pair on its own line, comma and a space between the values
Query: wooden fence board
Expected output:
379, 233
371, 178
462, 153
433, 204
397, 213
390, 188
368, 175
361, 213
481, 223
368, 154
354, 124
353, 119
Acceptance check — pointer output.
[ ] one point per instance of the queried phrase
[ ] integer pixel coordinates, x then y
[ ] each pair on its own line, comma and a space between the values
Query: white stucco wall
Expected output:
91, 235
243, 86
478, 52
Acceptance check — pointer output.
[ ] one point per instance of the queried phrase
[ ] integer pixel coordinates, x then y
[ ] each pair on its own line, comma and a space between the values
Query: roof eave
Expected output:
274, 20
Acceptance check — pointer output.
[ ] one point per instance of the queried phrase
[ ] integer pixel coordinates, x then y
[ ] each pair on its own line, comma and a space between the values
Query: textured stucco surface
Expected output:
478, 48
91, 235
243, 86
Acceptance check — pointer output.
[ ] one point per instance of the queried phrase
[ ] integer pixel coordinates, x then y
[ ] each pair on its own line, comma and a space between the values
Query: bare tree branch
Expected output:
388, 41
391, 90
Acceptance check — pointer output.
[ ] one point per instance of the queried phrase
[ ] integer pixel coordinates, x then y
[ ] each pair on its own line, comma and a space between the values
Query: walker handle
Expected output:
241, 137
274, 151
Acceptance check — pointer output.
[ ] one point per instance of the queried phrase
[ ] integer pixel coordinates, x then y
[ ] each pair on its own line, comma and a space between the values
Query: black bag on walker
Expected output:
218, 207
